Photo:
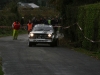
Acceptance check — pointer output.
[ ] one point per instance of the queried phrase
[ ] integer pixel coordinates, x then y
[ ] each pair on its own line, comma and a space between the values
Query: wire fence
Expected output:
92, 41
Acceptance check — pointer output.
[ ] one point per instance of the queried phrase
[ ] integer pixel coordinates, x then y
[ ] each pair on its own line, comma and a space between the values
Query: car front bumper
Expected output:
40, 40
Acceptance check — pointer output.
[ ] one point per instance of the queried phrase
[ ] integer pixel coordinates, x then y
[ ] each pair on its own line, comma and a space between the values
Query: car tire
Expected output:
34, 44
54, 43
30, 44
51, 44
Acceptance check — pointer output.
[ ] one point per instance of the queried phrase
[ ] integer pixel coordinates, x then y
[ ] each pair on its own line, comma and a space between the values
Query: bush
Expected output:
89, 20
1, 72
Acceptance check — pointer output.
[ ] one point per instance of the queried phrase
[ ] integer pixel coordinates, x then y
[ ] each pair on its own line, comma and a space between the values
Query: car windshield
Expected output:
42, 28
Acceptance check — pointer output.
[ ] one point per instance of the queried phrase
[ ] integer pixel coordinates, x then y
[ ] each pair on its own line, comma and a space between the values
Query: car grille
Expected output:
40, 36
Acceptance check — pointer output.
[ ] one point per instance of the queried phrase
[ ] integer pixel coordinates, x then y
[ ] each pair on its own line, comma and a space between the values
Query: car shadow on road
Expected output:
43, 45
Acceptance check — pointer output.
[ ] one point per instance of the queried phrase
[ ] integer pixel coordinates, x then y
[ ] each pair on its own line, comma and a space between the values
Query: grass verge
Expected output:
1, 72
9, 32
94, 54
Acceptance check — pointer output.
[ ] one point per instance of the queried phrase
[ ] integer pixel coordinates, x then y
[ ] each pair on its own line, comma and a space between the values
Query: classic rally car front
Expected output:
42, 33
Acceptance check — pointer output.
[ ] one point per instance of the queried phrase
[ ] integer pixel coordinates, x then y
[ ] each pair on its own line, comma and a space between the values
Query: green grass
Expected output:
9, 32
1, 72
94, 54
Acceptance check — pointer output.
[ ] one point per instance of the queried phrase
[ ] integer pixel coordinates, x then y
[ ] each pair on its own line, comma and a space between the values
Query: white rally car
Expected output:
42, 33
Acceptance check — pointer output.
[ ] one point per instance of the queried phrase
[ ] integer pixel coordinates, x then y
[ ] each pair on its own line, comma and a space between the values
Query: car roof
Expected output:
43, 25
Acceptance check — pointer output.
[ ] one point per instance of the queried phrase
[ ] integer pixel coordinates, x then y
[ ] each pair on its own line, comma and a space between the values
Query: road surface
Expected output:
19, 59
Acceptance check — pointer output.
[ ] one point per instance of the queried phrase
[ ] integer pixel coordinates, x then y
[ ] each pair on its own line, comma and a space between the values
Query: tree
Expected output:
12, 8
61, 6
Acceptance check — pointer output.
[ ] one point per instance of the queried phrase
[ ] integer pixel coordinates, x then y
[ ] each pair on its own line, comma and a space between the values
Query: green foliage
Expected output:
7, 19
81, 20
44, 12
88, 19
89, 53
71, 18
5, 32
1, 72
9, 14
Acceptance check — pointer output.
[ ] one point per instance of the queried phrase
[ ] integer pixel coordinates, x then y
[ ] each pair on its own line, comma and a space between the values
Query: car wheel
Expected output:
34, 44
51, 44
57, 42
54, 43
30, 44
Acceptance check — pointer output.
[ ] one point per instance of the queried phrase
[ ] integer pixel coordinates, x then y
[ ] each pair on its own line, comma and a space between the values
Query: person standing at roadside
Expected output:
29, 26
49, 21
45, 21
16, 27
53, 21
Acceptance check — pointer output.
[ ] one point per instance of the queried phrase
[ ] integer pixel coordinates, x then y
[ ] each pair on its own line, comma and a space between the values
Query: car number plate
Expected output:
39, 37
31, 39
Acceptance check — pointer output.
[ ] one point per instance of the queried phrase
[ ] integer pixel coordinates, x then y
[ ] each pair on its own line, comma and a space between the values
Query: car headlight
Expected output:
31, 34
49, 35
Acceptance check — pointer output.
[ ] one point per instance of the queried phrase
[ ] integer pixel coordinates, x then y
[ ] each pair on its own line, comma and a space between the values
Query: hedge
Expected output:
88, 18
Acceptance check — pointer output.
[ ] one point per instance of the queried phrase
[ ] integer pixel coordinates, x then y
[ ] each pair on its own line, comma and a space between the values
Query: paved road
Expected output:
19, 59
